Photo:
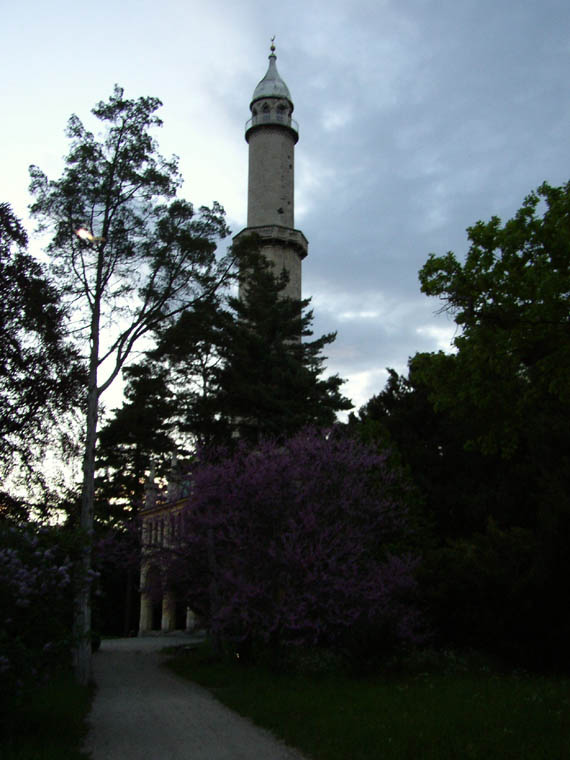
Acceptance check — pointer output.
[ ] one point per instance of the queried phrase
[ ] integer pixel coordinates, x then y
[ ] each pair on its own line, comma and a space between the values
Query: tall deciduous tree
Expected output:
511, 373
129, 255
507, 392
40, 372
511, 301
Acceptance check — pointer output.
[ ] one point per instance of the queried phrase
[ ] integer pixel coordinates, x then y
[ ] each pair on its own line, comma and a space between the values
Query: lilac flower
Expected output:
297, 542
34, 589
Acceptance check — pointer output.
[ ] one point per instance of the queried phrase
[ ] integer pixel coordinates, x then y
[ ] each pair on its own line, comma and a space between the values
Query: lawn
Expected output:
464, 712
49, 725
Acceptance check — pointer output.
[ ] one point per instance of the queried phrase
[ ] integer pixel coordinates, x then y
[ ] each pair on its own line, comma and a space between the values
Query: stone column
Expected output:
190, 619
145, 618
168, 612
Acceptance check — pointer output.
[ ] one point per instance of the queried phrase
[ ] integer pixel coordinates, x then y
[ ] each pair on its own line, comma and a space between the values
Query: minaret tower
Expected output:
271, 134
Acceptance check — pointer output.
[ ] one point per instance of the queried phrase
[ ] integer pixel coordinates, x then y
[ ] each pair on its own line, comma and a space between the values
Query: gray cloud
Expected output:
416, 120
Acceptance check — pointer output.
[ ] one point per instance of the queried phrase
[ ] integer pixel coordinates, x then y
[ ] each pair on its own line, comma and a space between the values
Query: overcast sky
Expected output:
417, 118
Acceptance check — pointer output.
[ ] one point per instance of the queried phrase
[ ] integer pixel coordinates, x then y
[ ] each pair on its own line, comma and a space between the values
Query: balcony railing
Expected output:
272, 118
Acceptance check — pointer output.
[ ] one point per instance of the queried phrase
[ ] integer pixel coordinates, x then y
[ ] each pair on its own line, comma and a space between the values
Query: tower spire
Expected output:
272, 85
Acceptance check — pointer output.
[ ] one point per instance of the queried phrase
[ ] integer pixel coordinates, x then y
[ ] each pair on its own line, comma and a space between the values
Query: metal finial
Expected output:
273, 45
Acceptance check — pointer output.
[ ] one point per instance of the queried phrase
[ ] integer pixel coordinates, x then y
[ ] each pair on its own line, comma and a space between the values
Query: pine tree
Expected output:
269, 382
138, 436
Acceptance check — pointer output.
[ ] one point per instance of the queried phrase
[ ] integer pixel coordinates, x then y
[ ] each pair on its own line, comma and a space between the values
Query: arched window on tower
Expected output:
266, 112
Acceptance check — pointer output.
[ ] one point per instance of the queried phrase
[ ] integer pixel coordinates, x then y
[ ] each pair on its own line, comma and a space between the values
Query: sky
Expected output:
416, 118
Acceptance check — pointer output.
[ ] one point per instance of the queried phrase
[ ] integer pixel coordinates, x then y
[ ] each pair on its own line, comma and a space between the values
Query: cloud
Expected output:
416, 120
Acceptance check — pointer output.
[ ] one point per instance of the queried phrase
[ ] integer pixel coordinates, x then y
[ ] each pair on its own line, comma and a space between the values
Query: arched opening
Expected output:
180, 617
153, 593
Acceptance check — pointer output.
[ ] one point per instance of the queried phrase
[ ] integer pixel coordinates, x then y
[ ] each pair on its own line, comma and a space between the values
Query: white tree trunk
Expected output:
82, 600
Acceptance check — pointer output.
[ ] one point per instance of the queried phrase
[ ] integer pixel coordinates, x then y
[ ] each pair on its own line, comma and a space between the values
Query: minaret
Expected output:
271, 134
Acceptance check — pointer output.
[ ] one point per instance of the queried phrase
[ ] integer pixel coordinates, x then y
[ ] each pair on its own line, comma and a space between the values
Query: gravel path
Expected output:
142, 711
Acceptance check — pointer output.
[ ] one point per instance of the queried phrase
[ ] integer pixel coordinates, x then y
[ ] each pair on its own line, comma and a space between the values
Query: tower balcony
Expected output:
273, 234
272, 118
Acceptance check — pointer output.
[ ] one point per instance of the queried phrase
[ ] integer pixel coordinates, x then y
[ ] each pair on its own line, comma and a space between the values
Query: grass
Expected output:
49, 725
467, 713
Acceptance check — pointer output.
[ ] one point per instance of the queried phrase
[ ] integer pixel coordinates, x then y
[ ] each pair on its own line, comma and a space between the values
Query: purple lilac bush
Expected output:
35, 582
302, 542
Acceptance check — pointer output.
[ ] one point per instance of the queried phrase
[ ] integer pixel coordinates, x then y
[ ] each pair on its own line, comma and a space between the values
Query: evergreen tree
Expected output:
269, 380
214, 373
159, 416
138, 436
189, 352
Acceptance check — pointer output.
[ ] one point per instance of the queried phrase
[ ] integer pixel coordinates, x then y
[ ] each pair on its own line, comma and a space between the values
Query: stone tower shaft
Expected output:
271, 185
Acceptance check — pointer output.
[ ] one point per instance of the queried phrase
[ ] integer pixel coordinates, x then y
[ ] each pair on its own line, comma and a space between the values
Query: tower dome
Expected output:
271, 102
272, 86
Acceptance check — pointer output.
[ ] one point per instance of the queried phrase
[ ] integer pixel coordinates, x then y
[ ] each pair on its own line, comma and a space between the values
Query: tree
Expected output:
129, 255
301, 541
187, 382
508, 390
429, 444
511, 373
510, 299
40, 372
139, 436
269, 382
158, 417
35, 568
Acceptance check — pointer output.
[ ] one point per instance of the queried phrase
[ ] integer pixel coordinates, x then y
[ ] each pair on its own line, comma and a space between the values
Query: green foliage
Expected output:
161, 414
138, 435
484, 434
149, 255
188, 351
482, 592
40, 374
269, 380
507, 390
511, 299
457, 489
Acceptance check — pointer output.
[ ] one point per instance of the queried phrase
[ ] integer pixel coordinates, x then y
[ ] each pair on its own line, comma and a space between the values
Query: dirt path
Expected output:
142, 711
